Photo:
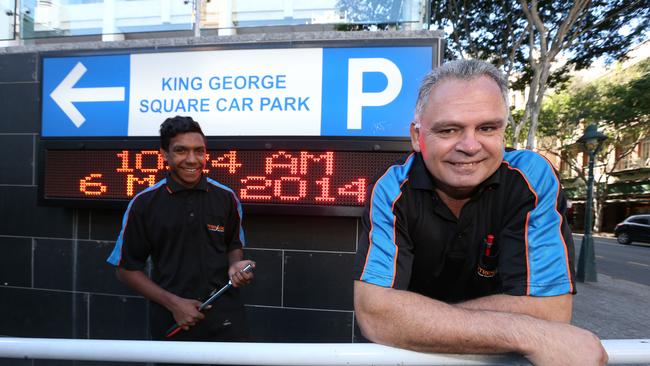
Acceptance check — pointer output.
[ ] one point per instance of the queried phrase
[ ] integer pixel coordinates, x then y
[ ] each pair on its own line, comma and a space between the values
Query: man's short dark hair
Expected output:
463, 70
177, 125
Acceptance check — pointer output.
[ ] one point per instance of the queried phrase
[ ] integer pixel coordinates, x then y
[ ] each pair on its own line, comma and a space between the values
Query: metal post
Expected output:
427, 16
587, 259
197, 18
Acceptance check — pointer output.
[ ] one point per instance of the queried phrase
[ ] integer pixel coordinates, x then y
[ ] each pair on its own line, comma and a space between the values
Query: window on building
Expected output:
565, 167
628, 161
77, 2
644, 152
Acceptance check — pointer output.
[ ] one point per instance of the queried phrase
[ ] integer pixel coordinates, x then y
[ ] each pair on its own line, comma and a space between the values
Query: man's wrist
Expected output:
235, 255
170, 301
530, 333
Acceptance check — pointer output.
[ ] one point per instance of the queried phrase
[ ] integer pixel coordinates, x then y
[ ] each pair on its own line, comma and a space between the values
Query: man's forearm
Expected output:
141, 284
235, 256
184, 311
555, 308
408, 320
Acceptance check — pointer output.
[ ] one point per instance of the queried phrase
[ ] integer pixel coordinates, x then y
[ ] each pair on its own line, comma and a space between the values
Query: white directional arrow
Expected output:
65, 94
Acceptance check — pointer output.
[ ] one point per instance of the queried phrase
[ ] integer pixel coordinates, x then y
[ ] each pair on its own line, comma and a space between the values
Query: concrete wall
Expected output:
54, 281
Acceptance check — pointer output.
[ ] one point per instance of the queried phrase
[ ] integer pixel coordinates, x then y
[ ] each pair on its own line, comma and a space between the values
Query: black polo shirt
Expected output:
187, 232
411, 240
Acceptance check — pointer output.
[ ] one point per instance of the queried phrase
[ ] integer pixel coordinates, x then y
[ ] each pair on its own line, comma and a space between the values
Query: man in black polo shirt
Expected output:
465, 247
190, 226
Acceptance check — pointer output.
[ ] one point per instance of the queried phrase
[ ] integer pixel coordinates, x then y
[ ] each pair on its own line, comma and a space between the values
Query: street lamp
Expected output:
592, 141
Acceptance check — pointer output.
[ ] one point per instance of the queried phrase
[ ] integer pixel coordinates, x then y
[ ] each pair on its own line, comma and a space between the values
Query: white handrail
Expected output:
629, 351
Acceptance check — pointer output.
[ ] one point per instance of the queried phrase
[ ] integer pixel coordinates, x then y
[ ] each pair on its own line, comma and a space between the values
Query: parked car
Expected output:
634, 228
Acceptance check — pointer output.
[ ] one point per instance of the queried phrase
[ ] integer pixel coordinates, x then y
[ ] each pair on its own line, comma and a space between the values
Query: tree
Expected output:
619, 103
536, 42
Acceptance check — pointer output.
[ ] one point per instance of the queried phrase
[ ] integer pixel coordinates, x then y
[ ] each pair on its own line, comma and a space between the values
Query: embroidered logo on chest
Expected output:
218, 228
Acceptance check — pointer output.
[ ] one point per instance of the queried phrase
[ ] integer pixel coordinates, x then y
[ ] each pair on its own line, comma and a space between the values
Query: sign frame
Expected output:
312, 143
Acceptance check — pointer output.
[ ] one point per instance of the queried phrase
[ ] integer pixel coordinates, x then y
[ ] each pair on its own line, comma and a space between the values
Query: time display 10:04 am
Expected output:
332, 178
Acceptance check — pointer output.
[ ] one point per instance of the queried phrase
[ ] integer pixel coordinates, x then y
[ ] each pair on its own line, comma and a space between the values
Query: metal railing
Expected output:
620, 351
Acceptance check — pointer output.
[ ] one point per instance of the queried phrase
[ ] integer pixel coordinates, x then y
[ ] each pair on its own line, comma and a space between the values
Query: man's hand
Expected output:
237, 275
186, 312
563, 344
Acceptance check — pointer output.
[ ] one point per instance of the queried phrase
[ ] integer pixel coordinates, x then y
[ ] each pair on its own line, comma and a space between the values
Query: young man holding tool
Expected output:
190, 226
465, 246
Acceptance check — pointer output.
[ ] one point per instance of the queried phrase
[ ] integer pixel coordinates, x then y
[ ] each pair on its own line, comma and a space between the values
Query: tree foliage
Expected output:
536, 42
619, 103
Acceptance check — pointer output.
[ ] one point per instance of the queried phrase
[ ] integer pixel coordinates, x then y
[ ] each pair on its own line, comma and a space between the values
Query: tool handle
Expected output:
248, 268
211, 299
172, 330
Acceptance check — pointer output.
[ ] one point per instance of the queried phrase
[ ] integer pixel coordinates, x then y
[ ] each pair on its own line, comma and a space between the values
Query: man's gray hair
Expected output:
463, 70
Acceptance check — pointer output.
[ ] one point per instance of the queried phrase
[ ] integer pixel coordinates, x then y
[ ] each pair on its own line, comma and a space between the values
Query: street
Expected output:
626, 262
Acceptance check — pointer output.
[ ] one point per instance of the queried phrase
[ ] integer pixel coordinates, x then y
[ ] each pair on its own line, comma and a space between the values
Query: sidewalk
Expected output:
613, 308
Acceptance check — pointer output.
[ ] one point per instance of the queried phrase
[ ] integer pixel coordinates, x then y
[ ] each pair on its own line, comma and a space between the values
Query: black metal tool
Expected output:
213, 296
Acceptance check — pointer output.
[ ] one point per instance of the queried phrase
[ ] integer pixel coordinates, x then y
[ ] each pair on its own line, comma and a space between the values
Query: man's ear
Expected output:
164, 154
415, 136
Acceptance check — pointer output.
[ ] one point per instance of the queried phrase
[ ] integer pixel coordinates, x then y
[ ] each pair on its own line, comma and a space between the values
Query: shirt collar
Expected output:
173, 186
420, 178
491, 182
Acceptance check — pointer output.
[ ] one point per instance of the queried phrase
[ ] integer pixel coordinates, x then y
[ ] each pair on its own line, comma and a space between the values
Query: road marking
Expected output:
639, 264
600, 257
598, 240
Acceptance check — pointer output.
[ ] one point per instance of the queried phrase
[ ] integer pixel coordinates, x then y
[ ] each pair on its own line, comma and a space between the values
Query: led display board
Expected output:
297, 180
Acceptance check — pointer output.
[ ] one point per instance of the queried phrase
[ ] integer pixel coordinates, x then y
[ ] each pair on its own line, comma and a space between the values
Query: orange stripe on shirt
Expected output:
392, 209
530, 188
527, 261
372, 195
566, 251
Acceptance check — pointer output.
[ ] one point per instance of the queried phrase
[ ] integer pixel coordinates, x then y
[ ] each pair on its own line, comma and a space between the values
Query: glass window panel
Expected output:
254, 13
645, 152
7, 19
56, 18
630, 161
626, 163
